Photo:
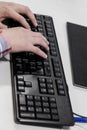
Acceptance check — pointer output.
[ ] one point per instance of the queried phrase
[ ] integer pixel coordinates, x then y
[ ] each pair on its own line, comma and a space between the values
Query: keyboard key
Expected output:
43, 90
21, 83
57, 74
29, 97
28, 84
54, 111
60, 86
47, 71
61, 92
30, 103
23, 108
53, 53
42, 80
50, 86
51, 91
55, 117
46, 110
52, 99
22, 100
43, 116
21, 88
37, 98
53, 105
45, 99
27, 115
19, 77
45, 104
49, 81
38, 103
31, 109
59, 81
38, 109
42, 85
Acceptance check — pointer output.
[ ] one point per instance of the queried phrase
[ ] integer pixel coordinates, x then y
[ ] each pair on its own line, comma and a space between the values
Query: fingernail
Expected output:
36, 24
45, 56
47, 42
48, 48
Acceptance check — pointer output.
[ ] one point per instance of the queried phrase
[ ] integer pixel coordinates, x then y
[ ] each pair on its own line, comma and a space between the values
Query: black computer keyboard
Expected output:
40, 92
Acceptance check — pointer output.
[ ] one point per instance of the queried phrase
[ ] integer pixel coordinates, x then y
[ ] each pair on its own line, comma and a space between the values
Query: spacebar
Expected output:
43, 116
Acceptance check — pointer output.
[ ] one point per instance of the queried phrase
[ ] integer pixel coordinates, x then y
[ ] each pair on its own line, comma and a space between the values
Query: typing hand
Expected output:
21, 39
13, 10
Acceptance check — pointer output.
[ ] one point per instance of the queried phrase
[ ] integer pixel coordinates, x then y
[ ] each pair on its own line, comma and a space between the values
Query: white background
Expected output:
62, 11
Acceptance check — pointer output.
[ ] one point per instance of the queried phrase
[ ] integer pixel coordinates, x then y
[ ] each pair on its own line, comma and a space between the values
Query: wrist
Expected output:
6, 39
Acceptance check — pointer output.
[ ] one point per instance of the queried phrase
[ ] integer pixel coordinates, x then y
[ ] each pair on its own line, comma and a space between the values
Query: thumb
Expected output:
2, 26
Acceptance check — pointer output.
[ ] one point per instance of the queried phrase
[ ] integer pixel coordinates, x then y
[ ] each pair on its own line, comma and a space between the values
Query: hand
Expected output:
21, 39
13, 10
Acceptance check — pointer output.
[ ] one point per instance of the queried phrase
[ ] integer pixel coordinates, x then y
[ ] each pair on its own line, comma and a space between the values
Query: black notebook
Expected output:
77, 36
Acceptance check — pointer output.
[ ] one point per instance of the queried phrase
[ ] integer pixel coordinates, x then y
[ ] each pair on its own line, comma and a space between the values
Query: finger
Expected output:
26, 10
14, 15
31, 17
2, 26
39, 52
41, 42
1, 19
36, 34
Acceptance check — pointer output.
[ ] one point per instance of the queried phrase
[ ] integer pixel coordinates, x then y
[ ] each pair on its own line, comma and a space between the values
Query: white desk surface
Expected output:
61, 11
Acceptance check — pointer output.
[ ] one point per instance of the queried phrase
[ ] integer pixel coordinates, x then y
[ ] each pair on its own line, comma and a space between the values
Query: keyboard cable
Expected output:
80, 118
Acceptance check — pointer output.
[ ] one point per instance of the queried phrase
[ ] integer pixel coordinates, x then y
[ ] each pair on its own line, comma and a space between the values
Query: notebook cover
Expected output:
77, 36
